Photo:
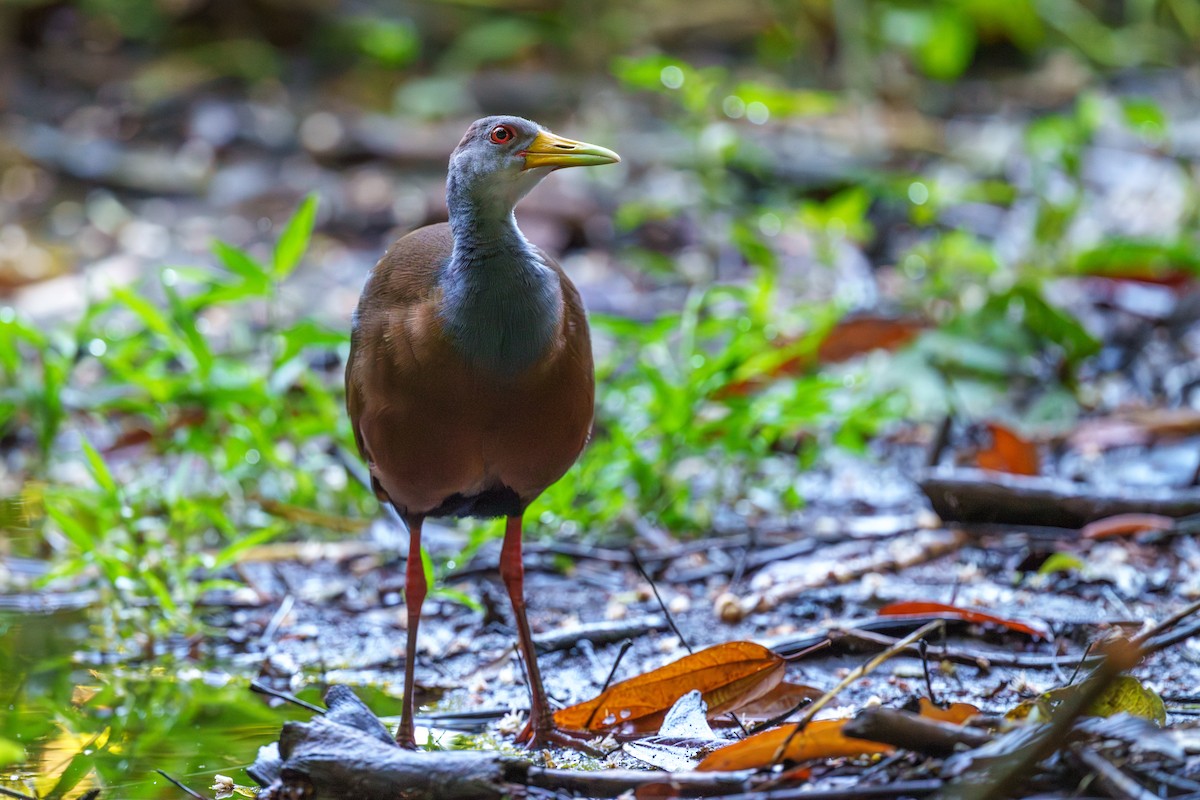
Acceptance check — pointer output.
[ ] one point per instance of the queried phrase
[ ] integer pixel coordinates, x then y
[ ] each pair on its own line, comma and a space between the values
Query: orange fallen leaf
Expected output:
956, 713
1125, 525
820, 739
783, 698
946, 611
850, 337
728, 676
1009, 453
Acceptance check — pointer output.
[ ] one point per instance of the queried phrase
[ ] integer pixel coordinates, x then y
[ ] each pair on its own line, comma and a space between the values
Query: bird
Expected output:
470, 385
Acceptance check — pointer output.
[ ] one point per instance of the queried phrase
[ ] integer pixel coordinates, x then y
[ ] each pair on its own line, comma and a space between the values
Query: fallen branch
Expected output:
967, 495
913, 732
605, 632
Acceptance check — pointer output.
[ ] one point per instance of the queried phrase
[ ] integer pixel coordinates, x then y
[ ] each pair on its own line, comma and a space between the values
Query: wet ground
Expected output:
314, 615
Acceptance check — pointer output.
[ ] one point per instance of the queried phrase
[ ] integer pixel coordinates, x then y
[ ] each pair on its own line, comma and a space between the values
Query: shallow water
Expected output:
84, 724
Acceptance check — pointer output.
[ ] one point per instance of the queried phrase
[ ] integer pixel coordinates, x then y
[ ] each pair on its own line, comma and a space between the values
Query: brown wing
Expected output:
431, 428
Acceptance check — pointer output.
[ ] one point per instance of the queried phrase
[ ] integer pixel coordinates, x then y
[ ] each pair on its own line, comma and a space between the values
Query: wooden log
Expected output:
969, 495
348, 754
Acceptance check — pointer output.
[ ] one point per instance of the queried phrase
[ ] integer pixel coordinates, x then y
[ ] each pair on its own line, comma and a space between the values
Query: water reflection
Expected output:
82, 724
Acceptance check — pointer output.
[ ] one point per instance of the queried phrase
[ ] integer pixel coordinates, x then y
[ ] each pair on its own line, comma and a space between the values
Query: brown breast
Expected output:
430, 426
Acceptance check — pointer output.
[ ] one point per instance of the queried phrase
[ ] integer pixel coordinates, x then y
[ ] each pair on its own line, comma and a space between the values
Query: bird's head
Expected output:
501, 158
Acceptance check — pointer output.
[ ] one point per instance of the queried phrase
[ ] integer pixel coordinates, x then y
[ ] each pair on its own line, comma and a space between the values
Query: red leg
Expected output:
512, 570
540, 732
414, 596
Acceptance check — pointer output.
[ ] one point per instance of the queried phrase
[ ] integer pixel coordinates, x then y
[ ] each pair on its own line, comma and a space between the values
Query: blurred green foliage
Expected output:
859, 40
243, 433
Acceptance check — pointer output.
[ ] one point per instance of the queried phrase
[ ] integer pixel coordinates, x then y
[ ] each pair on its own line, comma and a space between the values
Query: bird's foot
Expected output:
546, 736
405, 739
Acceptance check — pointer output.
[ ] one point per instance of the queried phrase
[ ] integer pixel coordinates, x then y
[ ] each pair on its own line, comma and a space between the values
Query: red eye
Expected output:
501, 134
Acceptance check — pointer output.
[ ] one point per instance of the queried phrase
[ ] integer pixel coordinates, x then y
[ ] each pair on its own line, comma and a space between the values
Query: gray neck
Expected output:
501, 304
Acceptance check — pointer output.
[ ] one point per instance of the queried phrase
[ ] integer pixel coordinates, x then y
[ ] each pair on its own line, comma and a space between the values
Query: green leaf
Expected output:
294, 239
229, 554
11, 752
147, 312
159, 590
427, 567
99, 469
1145, 117
950, 46
1125, 695
393, 43
72, 529
1061, 562
458, 596
185, 321
308, 333
240, 263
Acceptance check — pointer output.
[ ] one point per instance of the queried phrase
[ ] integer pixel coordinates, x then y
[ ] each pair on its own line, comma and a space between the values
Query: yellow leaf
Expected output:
1125, 694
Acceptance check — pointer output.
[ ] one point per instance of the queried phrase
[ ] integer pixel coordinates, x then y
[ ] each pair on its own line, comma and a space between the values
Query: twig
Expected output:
260, 687
923, 649
806, 652
671, 621
777, 719
625, 645
1161, 636
975, 658
637, 562
12, 793
189, 791
940, 441
739, 567
285, 608
1114, 781
1079, 664
855, 674
597, 633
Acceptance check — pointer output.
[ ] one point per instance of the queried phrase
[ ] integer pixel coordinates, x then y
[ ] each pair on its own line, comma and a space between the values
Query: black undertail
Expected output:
498, 502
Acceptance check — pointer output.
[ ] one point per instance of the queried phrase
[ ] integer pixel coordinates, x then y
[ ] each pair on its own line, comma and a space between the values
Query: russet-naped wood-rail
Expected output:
470, 384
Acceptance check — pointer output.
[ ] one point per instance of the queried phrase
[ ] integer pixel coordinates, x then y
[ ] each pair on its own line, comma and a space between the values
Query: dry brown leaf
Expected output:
956, 713
858, 335
727, 675
1126, 525
783, 698
850, 337
1009, 453
820, 739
